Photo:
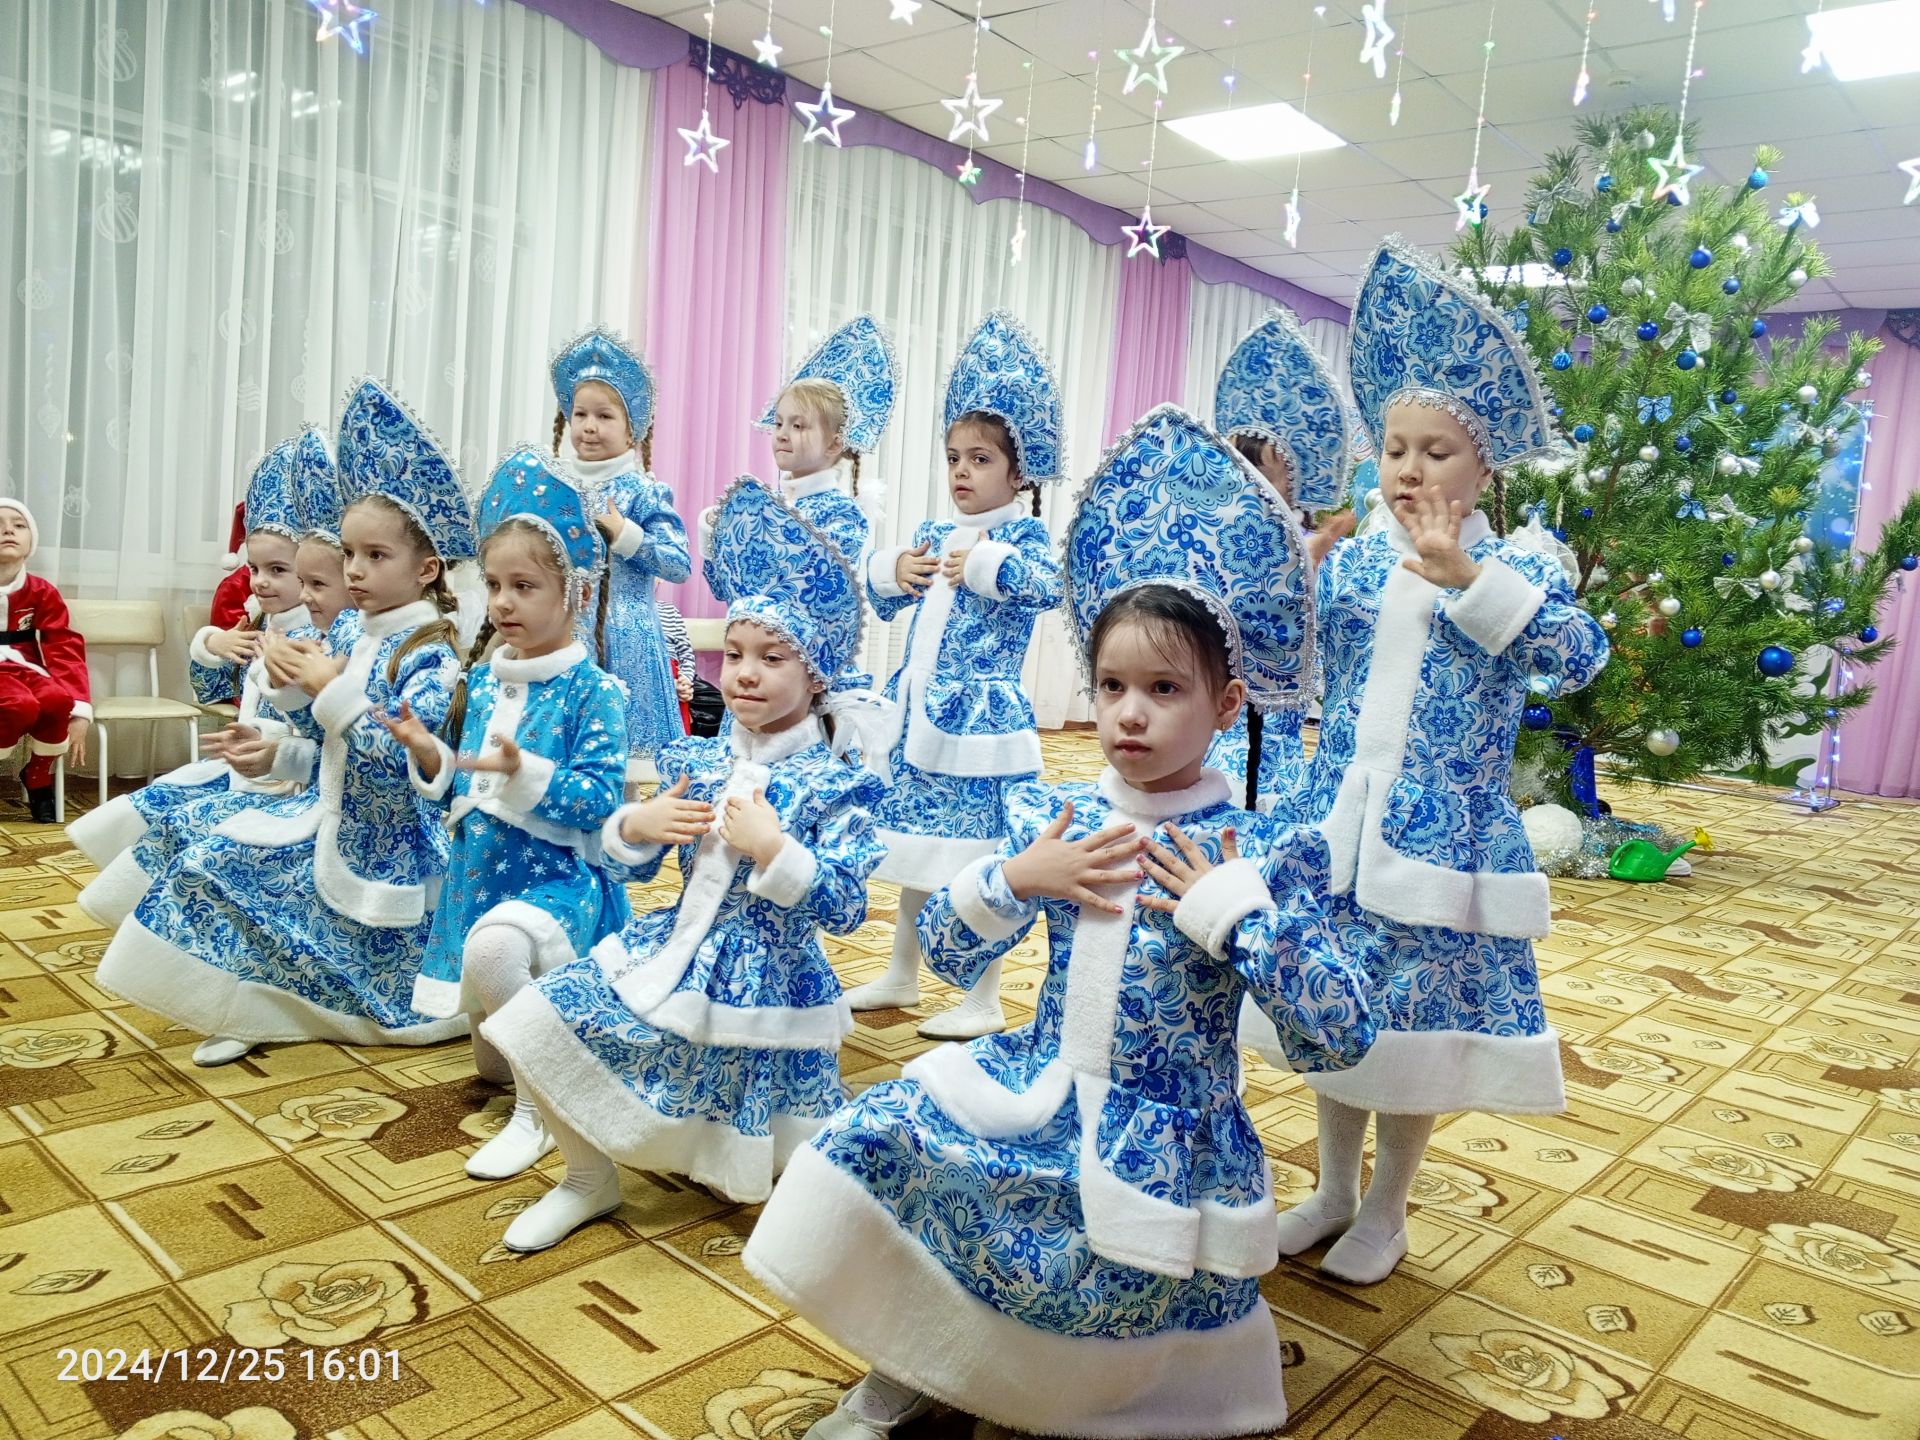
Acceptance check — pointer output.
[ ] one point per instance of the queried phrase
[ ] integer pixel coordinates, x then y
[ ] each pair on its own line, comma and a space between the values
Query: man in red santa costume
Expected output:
43, 665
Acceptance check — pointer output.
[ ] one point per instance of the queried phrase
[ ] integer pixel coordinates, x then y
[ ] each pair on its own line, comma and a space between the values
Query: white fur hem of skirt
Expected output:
116, 892
1437, 1072
571, 1084
928, 862
551, 949
163, 978
102, 834
835, 1254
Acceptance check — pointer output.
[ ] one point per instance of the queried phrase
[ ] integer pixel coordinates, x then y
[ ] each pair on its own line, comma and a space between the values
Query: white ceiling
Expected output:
1841, 142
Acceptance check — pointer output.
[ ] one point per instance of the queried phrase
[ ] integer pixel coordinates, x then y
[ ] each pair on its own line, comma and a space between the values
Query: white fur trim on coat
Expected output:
693, 1016
837, 1255
294, 757
201, 652
967, 891
527, 786
1219, 901
630, 539
105, 831
616, 849
927, 862
788, 879
343, 700
1496, 607
881, 565
955, 1081
1436, 1072
981, 573
442, 781
116, 892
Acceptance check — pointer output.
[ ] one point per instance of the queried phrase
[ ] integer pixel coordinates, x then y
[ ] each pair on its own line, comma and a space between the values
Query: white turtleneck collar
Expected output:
597, 472
792, 489
1475, 528
759, 749
401, 617
286, 620
508, 665
1212, 788
989, 519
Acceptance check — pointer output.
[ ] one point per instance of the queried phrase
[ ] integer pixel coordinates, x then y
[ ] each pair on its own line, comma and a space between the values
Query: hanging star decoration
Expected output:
1292, 231
703, 145
1911, 169
1018, 243
766, 52
1373, 50
969, 113
903, 10
343, 18
823, 117
1470, 204
1145, 235
1811, 56
967, 172
1147, 62
1673, 175
1798, 212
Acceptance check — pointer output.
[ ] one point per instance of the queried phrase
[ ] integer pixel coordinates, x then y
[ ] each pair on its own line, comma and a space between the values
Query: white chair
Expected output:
129, 625
194, 617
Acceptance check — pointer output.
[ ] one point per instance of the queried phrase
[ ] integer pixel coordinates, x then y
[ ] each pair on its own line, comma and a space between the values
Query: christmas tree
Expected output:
1698, 447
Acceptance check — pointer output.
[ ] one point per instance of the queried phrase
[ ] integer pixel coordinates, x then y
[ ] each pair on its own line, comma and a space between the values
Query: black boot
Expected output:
40, 804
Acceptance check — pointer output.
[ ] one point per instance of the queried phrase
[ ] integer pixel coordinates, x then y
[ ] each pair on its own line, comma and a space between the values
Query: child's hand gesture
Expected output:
915, 569
1433, 525
407, 728
1057, 869
610, 521
252, 758
954, 565
1177, 874
669, 818
752, 827
313, 671
683, 686
216, 744
1330, 533
502, 757
77, 729
277, 654
239, 646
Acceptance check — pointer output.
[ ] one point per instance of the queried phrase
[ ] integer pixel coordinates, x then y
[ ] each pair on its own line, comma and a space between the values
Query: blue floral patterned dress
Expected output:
703, 1039
1060, 1228
526, 847
1435, 892
650, 549
305, 918
967, 734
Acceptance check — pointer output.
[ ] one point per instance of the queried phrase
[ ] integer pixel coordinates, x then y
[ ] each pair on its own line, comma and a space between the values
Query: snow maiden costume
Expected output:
966, 727
702, 1039
1059, 1228
294, 490
1434, 891
305, 918
1276, 385
651, 546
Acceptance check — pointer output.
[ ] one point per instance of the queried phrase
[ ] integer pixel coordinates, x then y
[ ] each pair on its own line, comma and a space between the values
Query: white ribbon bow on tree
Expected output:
1696, 326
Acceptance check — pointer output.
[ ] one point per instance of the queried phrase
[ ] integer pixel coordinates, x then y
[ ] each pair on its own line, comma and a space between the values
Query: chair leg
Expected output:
193, 741
105, 768
60, 790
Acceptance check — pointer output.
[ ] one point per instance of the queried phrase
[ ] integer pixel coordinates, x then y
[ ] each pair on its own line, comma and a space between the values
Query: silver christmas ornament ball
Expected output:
1807, 394
1769, 579
1802, 544
1649, 453
1796, 278
1662, 742
1669, 607
1727, 465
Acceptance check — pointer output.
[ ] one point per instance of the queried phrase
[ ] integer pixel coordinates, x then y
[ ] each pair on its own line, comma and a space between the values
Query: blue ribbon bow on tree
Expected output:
1655, 409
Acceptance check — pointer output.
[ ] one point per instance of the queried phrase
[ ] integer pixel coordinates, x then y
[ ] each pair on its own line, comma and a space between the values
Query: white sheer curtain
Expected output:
210, 224
872, 230
1220, 316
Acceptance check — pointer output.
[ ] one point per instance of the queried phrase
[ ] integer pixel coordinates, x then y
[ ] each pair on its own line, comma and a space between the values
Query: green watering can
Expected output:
1643, 861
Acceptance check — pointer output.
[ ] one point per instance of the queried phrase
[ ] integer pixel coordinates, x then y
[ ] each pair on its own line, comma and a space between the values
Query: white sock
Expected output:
1330, 1209
591, 1189
978, 1013
519, 1146
1377, 1239
899, 986
220, 1050
488, 1063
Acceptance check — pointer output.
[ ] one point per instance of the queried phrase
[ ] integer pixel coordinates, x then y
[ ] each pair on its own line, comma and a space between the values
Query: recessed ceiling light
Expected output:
1256, 132
1865, 42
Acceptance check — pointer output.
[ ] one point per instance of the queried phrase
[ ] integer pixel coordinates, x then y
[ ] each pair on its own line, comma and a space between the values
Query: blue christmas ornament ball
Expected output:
1869, 634
1683, 443
1596, 313
1583, 433
1727, 397
1586, 512
1536, 717
1759, 329
1691, 638
1700, 258
1648, 330
1562, 360
1563, 257
1910, 562
1775, 661
1757, 179
1731, 285
1613, 227
1686, 359
1728, 558
1603, 183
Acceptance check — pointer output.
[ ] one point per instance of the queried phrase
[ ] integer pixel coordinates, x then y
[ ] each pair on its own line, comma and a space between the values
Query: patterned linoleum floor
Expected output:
1720, 1239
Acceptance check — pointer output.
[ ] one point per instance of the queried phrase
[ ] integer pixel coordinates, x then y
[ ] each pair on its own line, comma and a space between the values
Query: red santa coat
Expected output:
38, 638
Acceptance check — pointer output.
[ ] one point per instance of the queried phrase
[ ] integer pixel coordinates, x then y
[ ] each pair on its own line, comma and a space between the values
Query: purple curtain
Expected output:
1149, 341
716, 300
1877, 753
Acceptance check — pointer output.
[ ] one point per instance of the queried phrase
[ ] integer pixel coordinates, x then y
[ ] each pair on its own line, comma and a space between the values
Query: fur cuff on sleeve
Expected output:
786, 881
442, 781
1219, 901
627, 544
527, 786
197, 648
981, 573
340, 704
293, 757
618, 850
1496, 607
967, 891
880, 567
83, 710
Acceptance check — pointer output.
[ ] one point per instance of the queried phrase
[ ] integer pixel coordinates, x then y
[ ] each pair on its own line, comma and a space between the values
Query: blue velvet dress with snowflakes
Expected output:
1060, 1228
1435, 891
702, 1039
307, 917
650, 548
